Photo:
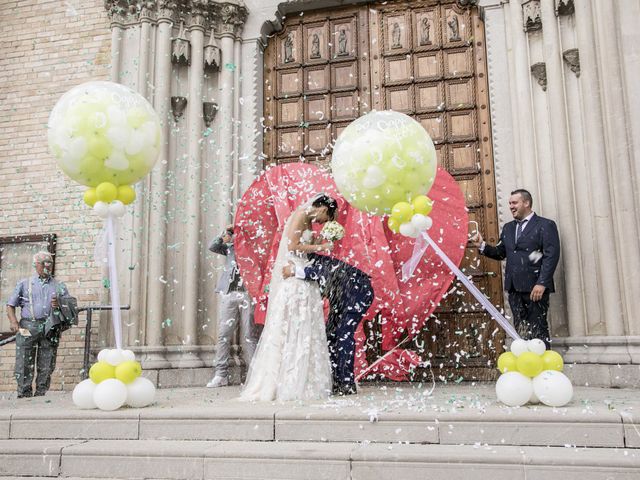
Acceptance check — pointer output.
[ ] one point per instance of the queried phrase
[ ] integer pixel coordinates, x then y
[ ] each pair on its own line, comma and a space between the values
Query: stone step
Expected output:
170, 459
265, 422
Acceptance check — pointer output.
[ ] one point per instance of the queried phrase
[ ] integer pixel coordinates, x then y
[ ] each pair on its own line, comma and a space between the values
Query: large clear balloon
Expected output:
104, 132
383, 158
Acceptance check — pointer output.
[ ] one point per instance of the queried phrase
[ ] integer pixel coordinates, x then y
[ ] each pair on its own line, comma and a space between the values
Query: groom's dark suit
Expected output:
350, 295
524, 270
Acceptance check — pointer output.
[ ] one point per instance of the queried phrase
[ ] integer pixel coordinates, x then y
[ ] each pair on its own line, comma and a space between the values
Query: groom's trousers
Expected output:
342, 348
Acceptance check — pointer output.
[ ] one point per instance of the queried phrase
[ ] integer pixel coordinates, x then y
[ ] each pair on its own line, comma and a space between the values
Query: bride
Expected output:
291, 361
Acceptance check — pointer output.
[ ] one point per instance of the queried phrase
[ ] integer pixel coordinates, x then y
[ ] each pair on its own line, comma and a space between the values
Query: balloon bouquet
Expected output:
107, 137
384, 163
532, 374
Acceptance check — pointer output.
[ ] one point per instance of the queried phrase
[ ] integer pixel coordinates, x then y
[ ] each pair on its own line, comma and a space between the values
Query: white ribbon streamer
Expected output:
422, 243
105, 256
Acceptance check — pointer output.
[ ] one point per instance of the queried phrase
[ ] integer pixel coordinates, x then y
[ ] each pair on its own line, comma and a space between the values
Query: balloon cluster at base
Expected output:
114, 380
532, 374
409, 219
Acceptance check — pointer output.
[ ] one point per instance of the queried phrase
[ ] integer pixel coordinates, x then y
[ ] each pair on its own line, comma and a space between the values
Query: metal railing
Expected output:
87, 333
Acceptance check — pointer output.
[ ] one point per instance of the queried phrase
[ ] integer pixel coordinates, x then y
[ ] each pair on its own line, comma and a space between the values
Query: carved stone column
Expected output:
231, 18
564, 178
137, 300
521, 98
618, 155
192, 234
118, 17
158, 195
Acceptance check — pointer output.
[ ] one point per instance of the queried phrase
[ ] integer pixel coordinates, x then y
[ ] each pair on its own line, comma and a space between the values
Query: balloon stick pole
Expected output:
370, 367
113, 281
484, 301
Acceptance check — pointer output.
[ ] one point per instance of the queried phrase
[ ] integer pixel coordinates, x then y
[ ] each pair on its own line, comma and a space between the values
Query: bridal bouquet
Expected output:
332, 231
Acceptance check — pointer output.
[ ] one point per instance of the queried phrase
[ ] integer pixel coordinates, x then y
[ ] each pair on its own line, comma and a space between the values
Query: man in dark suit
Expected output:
531, 246
350, 295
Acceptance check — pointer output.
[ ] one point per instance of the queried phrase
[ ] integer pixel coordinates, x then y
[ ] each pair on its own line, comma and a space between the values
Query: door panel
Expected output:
423, 58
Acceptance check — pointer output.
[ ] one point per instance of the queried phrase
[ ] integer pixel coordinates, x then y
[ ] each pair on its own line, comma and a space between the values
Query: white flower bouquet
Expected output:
332, 231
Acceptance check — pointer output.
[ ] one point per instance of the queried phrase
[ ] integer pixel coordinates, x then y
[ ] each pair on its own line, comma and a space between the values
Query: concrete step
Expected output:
266, 422
130, 459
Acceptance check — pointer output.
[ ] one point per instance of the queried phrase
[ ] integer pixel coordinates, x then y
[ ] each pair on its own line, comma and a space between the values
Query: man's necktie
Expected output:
519, 229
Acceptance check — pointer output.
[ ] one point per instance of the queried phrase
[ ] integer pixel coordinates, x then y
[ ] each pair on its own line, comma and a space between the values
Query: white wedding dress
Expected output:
291, 361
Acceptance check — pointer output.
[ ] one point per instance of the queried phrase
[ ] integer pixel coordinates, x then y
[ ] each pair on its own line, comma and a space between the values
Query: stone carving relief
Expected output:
288, 48
531, 15
212, 53
572, 59
454, 26
539, 72
565, 7
315, 46
395, 36
342, 42
230, 17
180, 48
425, 32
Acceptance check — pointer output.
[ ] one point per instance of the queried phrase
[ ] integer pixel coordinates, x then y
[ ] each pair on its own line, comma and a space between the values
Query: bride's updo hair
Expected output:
330, 203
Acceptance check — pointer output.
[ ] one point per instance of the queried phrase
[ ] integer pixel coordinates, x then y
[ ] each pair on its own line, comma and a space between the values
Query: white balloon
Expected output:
128, 355
140, 393
101, 209
115, 357
536, 346
374, 177
77, 148
519, 346
149, 131
83, 394
408, 230
102, 356
135, 143
421, 222
514, 389
110, 394
553, 388
117, 208
117, 117
118, 136
117, 160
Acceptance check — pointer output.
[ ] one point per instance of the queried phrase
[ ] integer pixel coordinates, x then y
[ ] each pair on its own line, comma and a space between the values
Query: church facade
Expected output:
534, 94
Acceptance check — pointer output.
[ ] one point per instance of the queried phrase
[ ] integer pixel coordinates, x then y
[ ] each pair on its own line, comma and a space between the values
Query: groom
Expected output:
350, 295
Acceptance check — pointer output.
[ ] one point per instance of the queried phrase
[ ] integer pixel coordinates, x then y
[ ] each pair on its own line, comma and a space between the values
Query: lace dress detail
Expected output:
291, 361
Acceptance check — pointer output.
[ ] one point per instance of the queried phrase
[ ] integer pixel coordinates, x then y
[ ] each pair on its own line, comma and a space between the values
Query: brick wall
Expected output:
48, 46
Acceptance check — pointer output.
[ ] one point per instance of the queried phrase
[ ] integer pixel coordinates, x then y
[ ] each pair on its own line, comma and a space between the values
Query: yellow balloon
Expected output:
98, 146
101, 371
90, 197
393, 225
402, 212
128, 371
422, 204
126, 194
552, 361
529, 364
106, 192
507, 362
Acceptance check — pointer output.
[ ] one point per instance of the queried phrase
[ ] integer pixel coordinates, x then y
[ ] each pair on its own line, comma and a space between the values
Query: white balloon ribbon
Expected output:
113, 279
422, 243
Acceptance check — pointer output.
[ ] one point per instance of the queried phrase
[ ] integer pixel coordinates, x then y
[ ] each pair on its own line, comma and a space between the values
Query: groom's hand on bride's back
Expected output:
288, 270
